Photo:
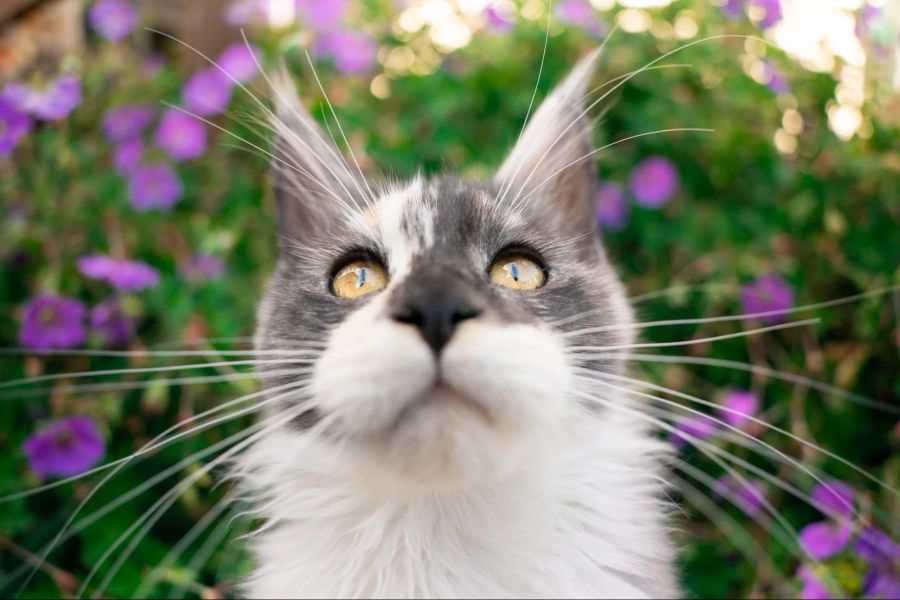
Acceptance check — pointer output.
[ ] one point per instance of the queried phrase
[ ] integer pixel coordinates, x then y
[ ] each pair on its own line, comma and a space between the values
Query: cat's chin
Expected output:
445, 437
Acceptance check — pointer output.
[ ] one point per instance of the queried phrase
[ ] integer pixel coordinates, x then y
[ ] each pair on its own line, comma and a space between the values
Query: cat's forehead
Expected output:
444, 217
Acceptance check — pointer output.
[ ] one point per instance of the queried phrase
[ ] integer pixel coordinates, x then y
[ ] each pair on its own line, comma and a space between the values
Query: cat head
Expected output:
443, 308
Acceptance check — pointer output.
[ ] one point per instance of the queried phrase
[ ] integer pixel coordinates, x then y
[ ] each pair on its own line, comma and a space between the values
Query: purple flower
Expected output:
733, 9
693, 426
14, 125
654, 181
499, 20
126, 122
65, 447
824, 539
206, 93
128, 155
351, 51
154, 186
322, 15
738, 406
181, 135
201, 267
776, 82
52, 321
110, 321
813, 588
771, 9
835, 499
875, 546
240, 62
52, 103
113, 19
882, 584
768, 299
126, 275
883, 557
612, 209
748, 495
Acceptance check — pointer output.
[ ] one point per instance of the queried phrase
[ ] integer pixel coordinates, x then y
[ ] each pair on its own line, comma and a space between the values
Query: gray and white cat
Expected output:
436, 436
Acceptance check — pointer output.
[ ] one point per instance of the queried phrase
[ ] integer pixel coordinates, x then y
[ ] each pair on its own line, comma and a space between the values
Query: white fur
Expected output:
580, 517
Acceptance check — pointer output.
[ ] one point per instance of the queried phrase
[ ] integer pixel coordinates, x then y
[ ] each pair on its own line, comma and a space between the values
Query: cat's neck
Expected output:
582, 520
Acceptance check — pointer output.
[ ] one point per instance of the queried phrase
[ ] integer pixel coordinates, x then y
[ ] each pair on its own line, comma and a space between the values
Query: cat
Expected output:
437, 438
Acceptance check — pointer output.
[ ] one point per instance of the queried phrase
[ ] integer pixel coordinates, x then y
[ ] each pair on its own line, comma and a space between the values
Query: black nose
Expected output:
436, 319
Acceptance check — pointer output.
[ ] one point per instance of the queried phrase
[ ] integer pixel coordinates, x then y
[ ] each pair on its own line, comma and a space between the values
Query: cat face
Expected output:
443, 305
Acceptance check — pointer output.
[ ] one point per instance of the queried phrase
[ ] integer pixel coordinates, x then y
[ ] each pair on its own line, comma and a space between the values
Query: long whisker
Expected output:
504, 188
740, 317
715, 338
820, 386
161, 506
140, 370
267, 111
739, 538
91, 388
518, 201
158, 572
617, 86
739, 431
155, 443
371, 196
710, 451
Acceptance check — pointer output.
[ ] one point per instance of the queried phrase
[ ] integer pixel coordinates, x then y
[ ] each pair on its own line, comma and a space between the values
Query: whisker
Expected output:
795, 378
266, 111
719, 319
710, 451
501, 194
371, 196
161, 506
201, 557
715, 338
517, 201
123, 463
158, 572
140, 370
148, 353
731, 528
154, 444
739, 431
91, 388
617, 86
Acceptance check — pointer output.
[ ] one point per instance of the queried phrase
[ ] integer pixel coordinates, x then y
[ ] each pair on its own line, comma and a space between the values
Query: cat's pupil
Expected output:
361, 277
514, 271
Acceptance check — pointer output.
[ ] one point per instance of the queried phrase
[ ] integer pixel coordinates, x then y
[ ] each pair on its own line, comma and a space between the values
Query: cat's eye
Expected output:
358, 278
517, 272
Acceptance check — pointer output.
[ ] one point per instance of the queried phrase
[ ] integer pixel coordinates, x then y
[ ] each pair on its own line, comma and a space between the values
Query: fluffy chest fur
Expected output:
584, 519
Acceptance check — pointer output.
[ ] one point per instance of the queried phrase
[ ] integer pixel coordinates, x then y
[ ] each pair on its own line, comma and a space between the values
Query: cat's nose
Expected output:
436, 319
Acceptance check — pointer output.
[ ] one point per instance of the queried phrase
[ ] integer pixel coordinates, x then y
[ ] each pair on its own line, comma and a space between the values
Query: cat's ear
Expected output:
313, 183
550, 172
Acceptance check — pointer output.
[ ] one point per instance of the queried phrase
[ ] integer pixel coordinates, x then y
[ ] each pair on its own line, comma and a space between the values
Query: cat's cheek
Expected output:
371, 369
517, 371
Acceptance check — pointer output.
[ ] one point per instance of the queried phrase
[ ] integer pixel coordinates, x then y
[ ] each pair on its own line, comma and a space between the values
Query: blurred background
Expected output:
137, 233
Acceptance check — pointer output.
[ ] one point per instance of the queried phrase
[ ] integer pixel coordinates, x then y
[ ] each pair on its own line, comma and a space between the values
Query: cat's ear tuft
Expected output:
550, 171
312, 181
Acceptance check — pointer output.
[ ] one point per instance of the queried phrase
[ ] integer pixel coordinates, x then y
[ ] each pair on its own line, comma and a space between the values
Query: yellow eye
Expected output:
517, 272
358, 278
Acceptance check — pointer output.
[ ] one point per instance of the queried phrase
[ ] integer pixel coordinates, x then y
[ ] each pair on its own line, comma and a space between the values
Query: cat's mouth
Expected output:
443, 395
